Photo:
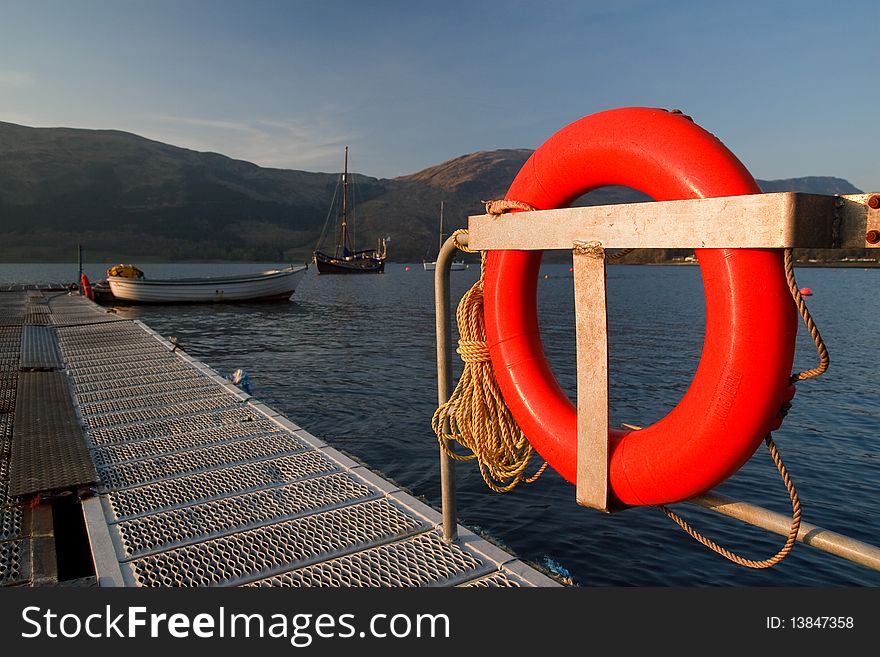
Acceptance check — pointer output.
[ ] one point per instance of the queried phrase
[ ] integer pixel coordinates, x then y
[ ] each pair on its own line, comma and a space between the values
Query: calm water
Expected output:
351, 359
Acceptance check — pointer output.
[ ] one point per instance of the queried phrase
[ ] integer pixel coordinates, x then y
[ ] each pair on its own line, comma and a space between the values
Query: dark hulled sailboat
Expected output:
345, 260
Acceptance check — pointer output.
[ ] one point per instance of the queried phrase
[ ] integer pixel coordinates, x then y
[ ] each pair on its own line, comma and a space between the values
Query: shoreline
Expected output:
832, 265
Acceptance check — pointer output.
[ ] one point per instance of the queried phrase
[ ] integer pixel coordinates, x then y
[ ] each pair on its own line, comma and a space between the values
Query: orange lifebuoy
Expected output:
87, 287
742, 379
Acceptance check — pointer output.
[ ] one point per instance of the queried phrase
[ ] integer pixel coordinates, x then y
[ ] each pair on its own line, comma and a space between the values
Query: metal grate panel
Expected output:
12, 307
11, 566
134, 382
38, 314
131, 451
9, 335
10, 523
264, 550
132, 394
210, 519
5, 498
212, 484
138, 360
8, 386
39, 349
143, 413
172, 426
10, 316
126, 362
105, 372
91, 336
9, 361
90, 341
73, 309
49, 452
88, 338
10, 347
423, 560
133, 473
200, 399
5, 451
493, 581
129, 352
110, 372
76, 319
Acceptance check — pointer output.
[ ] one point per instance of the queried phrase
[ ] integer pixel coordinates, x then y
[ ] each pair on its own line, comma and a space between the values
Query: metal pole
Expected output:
444, 378
850, 549
344, 240
79, 252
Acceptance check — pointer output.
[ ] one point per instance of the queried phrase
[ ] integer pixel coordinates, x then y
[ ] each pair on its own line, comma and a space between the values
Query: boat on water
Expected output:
457, 264
271, 285
345, 259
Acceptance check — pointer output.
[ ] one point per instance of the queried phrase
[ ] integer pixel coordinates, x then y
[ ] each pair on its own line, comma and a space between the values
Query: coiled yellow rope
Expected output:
477, 417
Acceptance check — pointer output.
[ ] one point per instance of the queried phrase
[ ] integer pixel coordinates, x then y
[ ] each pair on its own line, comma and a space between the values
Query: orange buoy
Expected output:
742, 379
806, 292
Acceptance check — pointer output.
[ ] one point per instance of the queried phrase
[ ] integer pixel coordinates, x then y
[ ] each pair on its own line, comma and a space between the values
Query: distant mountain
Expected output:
124, 197
811, 185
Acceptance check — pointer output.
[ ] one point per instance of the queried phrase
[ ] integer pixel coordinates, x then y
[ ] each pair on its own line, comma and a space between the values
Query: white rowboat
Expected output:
457, 265
260, 286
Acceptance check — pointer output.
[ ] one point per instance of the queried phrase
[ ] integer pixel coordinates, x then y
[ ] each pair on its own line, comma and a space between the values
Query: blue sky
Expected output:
791, 87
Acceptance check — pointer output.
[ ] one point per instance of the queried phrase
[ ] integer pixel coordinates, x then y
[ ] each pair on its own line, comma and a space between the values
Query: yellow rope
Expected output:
476, 415
824, 359
792, 532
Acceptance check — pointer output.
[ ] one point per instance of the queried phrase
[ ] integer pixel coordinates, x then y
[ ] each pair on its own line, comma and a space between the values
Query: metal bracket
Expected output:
591, 326
857, 219
757, 221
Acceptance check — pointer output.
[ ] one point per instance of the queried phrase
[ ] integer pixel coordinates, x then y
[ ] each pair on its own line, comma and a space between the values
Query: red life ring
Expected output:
743, 376
87, 287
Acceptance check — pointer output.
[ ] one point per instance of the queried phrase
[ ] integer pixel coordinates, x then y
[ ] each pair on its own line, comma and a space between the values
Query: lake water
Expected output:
352, 360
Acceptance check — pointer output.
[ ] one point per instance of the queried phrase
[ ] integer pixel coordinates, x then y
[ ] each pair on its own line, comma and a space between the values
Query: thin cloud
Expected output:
15, 79
201, 123
289, 144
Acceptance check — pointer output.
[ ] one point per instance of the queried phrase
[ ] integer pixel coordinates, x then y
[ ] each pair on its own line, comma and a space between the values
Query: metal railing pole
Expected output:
444, 378
79, 257
825, 540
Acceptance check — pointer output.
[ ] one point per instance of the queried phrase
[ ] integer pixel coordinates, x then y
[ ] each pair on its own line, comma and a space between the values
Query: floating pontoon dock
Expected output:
181, 479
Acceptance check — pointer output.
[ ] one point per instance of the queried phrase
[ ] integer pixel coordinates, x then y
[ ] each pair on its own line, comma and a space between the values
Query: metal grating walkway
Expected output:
48, 452
39, 348
201, 485
17, 542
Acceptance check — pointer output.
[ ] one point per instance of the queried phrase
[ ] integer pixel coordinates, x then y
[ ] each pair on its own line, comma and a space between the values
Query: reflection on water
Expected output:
351, 359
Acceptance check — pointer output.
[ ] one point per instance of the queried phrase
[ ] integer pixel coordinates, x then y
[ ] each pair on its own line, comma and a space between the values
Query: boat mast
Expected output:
441, 227
343, 242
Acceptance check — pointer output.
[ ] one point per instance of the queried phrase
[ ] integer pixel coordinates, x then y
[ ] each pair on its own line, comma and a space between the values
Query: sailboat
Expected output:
345, 260
456, 265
